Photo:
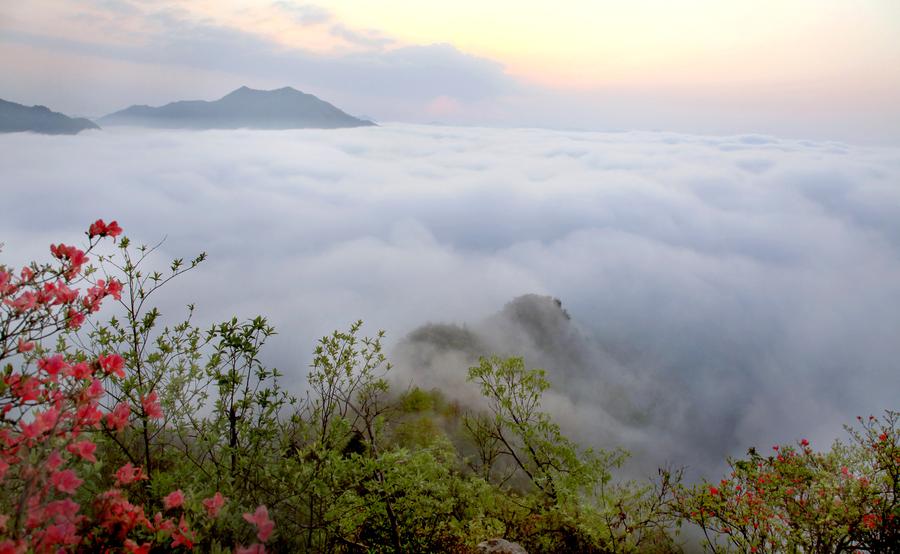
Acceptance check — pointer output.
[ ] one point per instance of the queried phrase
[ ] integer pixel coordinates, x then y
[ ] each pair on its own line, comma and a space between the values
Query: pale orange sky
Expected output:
774, 56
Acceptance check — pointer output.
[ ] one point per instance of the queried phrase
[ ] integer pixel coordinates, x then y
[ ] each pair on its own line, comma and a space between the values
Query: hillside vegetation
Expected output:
122, 434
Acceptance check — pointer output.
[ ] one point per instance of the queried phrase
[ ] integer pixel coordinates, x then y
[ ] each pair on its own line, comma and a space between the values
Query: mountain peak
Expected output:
247, 91
244, 107
39, 119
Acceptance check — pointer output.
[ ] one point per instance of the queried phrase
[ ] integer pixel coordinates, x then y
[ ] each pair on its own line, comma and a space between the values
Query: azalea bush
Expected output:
796, 499
58, 404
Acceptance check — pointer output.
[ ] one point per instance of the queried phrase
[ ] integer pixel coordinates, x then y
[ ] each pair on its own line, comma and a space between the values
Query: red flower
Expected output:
66, 481
214, 504
128, 474
161, 525
83, 449
118, 418
151, 406
54, 460
173, 500
80, 370
97, 229
23, 303
112, 364
101, 229
76, 318
114, 289
713, 491
88, 415
53, 365
95, 390
182, 535
113, 229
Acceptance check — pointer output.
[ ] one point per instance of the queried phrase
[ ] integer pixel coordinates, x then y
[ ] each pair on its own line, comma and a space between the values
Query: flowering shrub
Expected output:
797, 499
50, 403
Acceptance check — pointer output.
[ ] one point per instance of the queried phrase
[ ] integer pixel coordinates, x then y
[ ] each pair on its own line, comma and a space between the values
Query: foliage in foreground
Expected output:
800, 500
126, 434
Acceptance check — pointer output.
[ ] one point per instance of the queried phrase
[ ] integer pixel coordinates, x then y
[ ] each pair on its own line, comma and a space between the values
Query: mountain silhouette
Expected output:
39, 119
284, 108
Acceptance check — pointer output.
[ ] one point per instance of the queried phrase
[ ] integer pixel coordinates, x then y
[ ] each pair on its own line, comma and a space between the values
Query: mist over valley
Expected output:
716, 292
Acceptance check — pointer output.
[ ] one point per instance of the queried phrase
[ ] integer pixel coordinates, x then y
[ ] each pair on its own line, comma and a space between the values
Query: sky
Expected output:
817, 69
724, 291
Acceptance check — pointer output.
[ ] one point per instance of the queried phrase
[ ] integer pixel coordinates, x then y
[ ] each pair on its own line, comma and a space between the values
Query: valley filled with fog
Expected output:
716, 292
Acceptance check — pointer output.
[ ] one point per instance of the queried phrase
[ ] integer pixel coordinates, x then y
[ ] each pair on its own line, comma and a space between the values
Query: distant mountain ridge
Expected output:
284, 108
39, 119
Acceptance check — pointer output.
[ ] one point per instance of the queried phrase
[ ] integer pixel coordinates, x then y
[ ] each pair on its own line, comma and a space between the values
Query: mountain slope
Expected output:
284, 108
39, 119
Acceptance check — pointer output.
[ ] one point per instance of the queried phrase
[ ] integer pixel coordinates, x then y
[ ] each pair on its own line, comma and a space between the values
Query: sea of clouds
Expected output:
732, 291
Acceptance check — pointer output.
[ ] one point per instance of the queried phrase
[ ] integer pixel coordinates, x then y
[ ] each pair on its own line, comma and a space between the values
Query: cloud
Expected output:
387, 83
304, 14
369, 38
727, 291
94, 57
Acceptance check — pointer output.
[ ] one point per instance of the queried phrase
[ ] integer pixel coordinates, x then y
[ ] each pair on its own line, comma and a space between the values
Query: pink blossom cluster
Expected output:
48, 412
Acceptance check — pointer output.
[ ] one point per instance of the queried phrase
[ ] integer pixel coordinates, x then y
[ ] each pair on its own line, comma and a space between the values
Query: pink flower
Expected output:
24, 302
182, 535
83, 449
25, 346
75, 257
128, 474
114, 289
43, 421
66, 481
53, 365
95, 389
214, 504
76, 318
112, 365
173, 500
54, 460
162, 525
80, 370
264, 525
88, 415
151, 406
60, 293
99, 229
118, 418
113, 229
